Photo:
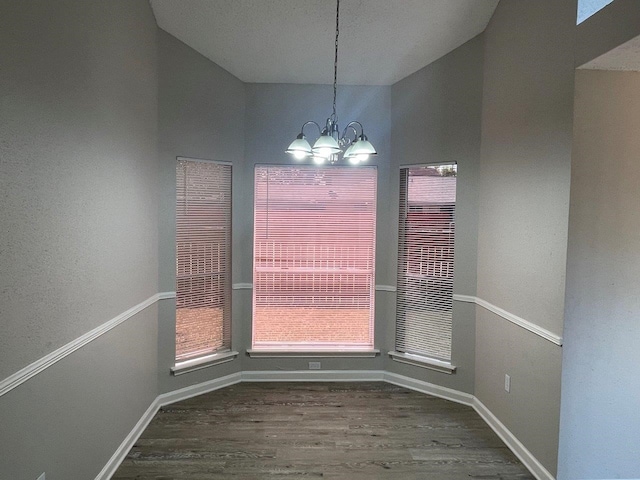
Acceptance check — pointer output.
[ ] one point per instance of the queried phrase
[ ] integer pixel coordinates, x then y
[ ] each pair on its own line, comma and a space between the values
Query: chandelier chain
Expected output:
335, 61
330, 144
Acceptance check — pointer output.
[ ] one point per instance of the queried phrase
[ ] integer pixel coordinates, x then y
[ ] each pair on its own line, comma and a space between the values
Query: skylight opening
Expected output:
588, 8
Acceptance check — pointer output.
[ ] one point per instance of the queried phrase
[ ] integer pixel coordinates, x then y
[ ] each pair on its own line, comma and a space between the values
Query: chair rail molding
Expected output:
31, 370
521, 322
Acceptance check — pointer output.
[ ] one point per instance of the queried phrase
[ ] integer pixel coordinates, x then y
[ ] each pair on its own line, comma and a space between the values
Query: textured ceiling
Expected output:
625, 57
292, 41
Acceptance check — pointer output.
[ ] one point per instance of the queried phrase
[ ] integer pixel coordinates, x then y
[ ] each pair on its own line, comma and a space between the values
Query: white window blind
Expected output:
425, 260
314, 255
203, 258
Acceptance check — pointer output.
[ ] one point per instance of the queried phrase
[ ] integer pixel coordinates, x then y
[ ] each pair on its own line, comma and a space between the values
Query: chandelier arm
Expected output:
311, 122
344, 138
350, 124
328, 146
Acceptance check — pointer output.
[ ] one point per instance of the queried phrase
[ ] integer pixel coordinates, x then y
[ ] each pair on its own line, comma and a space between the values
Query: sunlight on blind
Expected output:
314, 254
425, 260
203, 258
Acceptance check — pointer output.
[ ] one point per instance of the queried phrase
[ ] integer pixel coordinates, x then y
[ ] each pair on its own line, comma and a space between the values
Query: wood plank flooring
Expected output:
286, 431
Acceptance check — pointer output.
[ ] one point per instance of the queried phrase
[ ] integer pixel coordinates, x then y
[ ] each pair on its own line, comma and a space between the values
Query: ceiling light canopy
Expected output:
328, 148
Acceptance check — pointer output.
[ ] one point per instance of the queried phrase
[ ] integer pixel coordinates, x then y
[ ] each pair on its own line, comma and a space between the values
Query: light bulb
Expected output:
318, 160
299, 155
362, 157
354, 160
324, 152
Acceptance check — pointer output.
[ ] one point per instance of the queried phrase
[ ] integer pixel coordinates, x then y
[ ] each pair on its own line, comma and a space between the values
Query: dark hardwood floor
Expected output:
354, 431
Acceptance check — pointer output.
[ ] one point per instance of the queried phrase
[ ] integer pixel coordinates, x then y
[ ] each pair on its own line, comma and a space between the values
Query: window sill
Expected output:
203, 362
423, 362
313, 354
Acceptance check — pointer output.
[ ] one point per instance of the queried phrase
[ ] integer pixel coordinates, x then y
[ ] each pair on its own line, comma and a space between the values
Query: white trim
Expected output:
121, 452
242, 286
313, 376
464, 298
204, 160
199, 363
429, 388
521, 322
519, 450
510, 440
525, 456
542, 332
253, 353
385, 288
423, 362
24, 374
161, 400
433, 164
198, 389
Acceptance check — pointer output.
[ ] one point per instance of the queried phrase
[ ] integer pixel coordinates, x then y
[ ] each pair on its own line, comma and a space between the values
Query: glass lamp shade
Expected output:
347, 153
360, 149
299, 148
326, 146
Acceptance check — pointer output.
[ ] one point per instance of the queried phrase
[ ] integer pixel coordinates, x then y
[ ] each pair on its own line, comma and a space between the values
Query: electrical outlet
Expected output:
314, 366
41, 477
507, 383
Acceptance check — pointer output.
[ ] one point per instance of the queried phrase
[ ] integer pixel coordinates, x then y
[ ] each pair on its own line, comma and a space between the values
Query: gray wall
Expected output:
78, 176
523, 214
200, 115
617, 23
69, 420
91, 93
600, 427
436, 116
274, 115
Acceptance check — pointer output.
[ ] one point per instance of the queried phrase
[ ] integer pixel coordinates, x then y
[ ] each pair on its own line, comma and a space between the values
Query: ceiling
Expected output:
292, 41
625, 57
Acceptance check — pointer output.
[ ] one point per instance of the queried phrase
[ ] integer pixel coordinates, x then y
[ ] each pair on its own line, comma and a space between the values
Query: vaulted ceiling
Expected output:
292, 41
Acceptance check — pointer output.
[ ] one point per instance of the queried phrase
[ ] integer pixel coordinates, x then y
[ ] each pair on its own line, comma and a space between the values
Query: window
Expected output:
313, 257
588, 8
425, 261
203, 258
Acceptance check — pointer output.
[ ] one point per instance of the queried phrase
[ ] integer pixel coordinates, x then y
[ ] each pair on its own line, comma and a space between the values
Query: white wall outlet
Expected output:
507, 383
41, 477
314, 366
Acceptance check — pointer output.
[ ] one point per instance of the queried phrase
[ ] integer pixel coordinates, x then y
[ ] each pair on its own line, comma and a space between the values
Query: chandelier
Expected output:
330, 143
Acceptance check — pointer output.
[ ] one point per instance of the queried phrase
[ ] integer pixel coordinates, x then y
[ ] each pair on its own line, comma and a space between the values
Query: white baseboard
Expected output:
429, 388
161, 401
519, 450
198, 389
511, 441
313, 376
119, 455
525, 456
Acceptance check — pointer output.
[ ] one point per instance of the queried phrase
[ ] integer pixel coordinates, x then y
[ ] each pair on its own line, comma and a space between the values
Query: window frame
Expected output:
224, 353
311, 349
420, 359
